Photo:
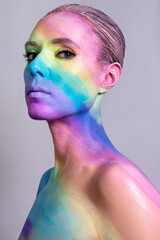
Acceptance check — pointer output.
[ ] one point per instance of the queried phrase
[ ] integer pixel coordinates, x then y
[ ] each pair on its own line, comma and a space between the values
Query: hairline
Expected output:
92, 26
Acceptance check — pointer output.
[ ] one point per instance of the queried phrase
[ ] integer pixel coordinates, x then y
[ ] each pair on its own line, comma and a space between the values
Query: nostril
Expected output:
36, 73
40, 74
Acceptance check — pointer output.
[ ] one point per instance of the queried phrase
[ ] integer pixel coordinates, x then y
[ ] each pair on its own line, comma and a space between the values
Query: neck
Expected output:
80, 139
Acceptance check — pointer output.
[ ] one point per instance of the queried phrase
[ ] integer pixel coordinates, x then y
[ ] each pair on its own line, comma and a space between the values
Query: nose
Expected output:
38, 68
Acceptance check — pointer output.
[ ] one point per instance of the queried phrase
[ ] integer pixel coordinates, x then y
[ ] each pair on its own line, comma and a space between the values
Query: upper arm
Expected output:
44, 180
131, 202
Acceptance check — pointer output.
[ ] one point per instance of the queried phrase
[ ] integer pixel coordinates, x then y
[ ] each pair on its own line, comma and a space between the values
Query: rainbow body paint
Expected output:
94, 192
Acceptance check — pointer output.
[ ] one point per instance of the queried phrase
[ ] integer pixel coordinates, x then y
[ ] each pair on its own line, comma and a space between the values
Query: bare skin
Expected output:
94, 192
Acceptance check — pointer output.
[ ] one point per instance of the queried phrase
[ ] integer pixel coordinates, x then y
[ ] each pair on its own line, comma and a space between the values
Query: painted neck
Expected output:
81, 139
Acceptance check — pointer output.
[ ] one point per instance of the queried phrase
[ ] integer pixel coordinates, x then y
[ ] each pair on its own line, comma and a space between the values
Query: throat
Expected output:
80, 140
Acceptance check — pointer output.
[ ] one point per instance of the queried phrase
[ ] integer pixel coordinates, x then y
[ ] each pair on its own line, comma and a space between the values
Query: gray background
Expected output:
130, 111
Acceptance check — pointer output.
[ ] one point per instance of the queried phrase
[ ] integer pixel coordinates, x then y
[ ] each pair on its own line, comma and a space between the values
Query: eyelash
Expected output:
67, 51
72, 54
26, 55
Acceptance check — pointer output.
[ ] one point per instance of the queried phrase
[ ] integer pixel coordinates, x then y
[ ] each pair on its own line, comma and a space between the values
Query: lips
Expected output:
36, 89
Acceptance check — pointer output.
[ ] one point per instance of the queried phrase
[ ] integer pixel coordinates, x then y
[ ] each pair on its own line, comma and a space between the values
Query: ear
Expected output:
111, 75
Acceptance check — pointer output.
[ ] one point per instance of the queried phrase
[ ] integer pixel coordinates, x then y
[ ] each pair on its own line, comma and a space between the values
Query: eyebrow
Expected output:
64, 41
32, 43
53, 41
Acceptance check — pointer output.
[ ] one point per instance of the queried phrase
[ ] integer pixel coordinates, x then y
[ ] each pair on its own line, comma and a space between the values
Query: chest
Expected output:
59, 215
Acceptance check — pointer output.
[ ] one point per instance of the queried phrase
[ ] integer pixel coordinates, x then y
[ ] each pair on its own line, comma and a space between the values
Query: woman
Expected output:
75, 54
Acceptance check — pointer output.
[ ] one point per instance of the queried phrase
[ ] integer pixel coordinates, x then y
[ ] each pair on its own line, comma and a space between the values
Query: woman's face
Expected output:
62, 74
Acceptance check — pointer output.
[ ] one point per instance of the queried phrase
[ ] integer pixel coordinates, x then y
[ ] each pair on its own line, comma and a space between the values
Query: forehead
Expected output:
67, 25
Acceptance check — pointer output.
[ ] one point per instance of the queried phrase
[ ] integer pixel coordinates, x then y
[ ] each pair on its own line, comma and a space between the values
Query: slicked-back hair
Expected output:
111, 38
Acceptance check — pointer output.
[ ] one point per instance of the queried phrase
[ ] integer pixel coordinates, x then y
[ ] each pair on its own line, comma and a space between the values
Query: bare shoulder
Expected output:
44, 180
130, 200
127, 174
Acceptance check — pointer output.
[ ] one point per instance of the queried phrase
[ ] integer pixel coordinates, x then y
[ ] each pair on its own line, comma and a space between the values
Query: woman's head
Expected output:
67, 68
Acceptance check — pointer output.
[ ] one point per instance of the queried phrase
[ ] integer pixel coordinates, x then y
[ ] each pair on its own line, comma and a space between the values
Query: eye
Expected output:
30, 56
66, 54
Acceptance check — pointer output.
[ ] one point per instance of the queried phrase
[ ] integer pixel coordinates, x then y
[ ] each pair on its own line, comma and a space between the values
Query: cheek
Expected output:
74, 86
80, 75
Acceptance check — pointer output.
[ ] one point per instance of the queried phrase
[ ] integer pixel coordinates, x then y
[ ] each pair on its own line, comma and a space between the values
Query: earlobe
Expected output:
111, 76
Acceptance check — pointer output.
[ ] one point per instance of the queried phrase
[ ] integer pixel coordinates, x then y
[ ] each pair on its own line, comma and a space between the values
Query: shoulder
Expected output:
127, 174
130, 199
44, 180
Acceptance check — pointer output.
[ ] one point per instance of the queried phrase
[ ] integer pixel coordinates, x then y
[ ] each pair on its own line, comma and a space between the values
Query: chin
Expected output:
40, 111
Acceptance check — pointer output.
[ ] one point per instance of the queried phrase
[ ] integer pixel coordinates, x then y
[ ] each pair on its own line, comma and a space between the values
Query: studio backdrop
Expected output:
130, 110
